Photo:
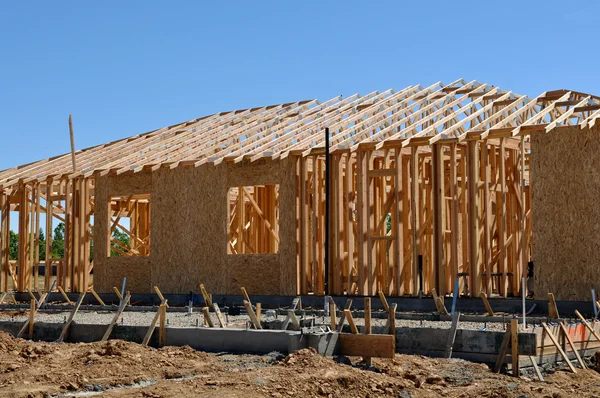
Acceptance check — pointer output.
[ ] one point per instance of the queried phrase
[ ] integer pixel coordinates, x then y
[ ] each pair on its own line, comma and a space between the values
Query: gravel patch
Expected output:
196, 319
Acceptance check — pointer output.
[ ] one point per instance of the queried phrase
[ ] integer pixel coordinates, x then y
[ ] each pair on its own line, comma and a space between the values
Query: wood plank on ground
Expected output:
367, 345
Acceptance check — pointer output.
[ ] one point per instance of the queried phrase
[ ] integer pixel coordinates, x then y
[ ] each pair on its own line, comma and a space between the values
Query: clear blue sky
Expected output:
126, 67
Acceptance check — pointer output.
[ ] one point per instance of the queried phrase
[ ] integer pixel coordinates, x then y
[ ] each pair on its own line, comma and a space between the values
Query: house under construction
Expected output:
426, 185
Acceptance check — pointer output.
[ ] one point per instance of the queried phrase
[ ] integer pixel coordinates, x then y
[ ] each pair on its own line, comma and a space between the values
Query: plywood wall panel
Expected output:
188, 224
566, 231
258, 273
189, 229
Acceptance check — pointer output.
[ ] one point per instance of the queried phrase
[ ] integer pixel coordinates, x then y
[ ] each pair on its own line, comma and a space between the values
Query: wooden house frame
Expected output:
427, 185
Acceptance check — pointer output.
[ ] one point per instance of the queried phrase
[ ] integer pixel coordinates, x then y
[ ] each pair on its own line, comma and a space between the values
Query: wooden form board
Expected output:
445, 166
367, 345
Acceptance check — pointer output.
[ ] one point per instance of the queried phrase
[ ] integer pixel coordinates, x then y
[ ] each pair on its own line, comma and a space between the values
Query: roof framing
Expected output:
414, 116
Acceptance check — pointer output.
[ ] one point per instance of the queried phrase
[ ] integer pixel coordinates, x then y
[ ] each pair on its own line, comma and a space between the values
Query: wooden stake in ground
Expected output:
392, 319
252, 315
207, 320
353, 327
332, 314
116, 317
587, 325
439, 303
452, 335
207, 299
118, 293
514, 342
245, 295
219, 315
98, 299
160, 296
503, 350
287, 321
162, 331
340, 324
293, 319
386, 306
29, 321
558, 347
565, 333
32, 296
32, 312
368, 361
552, 310
536, 368
152, 326
488, 307
258, 310
60, 289
65, 329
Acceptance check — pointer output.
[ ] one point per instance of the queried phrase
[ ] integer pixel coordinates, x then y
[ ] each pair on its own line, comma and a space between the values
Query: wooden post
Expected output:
32, 311
332, 314
65, 329
162, 331
392, 319
258, 311
514, 332
368, 362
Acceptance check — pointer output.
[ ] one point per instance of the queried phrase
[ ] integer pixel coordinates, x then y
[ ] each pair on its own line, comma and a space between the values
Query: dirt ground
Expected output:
122, 369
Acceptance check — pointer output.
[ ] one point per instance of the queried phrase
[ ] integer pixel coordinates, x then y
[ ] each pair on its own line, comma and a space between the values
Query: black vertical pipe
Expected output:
326, 280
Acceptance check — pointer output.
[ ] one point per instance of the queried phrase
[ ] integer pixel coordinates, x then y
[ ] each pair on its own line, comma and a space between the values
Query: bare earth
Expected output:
32, 369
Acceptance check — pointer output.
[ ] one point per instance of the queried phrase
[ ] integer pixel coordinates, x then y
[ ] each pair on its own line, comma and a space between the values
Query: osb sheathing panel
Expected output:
189, 230
258, 273
565, 191
136, 269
